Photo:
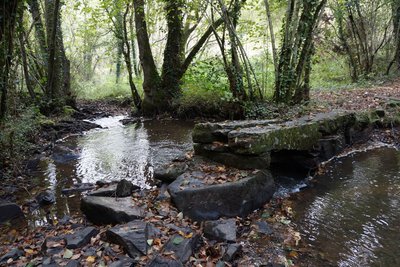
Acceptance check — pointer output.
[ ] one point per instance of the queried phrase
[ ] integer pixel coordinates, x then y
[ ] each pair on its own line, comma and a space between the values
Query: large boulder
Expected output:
201, 201
9, 211
81, 237
108, 210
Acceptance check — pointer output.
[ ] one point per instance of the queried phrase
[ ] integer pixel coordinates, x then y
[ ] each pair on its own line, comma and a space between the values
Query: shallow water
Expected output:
111, 154
352, 215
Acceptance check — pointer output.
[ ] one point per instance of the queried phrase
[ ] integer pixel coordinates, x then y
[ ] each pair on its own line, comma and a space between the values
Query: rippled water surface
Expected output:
112, 153
352, 216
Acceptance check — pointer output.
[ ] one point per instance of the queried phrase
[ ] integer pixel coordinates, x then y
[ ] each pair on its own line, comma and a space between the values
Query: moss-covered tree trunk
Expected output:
294, 67
8, 13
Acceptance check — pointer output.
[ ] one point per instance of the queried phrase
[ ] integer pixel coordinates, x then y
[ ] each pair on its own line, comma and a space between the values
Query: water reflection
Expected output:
112, 153
352, 215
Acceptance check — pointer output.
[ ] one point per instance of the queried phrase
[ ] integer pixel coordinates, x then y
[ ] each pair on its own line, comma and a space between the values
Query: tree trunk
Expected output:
172, 64
151, 78
39, 29
8, 10
127, 55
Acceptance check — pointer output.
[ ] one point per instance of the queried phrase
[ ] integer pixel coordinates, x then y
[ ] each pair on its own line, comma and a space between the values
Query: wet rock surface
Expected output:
14, 254
77, 188
46, 198
200, 201
108, 210
125, 188
168, 173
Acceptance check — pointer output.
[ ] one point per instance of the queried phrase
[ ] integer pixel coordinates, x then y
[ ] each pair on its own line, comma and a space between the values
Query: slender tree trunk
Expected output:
8, 10
28, 80
39, 29
127, 55
272, 34
133, 42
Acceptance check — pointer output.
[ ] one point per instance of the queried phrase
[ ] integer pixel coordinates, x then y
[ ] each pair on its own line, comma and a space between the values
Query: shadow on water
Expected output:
352, 215
113, 153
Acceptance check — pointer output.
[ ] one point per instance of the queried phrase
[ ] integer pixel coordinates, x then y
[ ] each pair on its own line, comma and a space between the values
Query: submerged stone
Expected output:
201, 202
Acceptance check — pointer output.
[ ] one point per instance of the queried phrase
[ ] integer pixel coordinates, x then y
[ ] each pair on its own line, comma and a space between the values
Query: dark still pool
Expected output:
352, 215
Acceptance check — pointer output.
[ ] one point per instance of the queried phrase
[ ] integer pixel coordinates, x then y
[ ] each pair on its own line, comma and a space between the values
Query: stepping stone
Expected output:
108, 191
168, 173
131, 236
222, 230
109, 210
81, 238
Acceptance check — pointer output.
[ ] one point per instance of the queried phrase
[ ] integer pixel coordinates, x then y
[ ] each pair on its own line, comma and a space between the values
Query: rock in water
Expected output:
9, 211
81, 238
222, 230
131, 236
108, 210
46, 198
124, 188
168, 173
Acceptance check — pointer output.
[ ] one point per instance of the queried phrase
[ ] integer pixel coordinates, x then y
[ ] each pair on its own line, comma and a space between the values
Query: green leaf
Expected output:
177, 240
68, 254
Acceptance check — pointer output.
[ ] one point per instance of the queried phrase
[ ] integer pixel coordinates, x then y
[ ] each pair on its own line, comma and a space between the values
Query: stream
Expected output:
351, 215
112, 153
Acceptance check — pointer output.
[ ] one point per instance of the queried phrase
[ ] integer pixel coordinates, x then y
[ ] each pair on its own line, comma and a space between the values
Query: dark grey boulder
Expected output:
221, 230
9, 211
107, 191
129, 121
81, 237
159, 261
125, 188
232, 252
131, 236
182, 247
46, 198
108, 210
14, 254
202, 202
123, 262
168, 173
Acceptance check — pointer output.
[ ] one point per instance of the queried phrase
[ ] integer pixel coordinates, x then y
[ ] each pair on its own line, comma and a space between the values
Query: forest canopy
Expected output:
190, 57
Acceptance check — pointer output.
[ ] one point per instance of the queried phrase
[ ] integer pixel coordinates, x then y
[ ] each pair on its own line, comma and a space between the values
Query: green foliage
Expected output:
103, 88
329, 72
17, 137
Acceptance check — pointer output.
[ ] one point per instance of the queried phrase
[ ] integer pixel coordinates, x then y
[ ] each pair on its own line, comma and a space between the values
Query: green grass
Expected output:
105, 88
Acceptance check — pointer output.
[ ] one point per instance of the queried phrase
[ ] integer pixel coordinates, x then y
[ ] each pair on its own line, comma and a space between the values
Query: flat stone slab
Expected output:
258, 137
201, 201
110, 210
81, 237
9, 211
159, 261
131, 236
107, 191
